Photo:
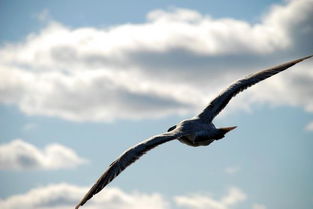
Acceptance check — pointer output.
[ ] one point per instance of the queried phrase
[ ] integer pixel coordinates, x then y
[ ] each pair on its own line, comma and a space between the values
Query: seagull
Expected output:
197, 131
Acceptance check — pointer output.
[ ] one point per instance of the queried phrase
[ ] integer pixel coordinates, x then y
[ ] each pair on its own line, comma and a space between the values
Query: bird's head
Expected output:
224, 130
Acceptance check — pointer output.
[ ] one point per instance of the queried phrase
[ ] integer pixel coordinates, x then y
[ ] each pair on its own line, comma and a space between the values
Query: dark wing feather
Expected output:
127, 158
218, 104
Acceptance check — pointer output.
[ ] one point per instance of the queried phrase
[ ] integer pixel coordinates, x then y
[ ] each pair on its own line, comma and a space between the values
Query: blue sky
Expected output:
81, 82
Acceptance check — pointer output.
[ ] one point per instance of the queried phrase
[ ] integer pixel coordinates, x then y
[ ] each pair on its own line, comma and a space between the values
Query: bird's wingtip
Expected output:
304, 58
77, 206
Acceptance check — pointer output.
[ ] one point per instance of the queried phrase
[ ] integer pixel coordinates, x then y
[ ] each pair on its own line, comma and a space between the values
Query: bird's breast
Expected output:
196, 133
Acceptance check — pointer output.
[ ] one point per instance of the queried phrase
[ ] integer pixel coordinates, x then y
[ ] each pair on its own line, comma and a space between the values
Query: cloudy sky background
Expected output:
81, 81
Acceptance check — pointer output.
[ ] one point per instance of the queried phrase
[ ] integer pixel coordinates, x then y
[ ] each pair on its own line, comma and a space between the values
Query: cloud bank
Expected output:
233, 197
20, 155
66, 196
171, 64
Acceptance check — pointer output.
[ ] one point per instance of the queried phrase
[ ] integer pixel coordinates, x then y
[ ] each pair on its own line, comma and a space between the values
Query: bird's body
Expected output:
197, 131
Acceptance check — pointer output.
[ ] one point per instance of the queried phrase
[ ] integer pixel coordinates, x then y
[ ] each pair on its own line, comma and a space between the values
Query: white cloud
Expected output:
44, 16
171, 64
232, 170
258, 206
233, 197
21, 155
309, 126
65, 196
95, 95
29, 126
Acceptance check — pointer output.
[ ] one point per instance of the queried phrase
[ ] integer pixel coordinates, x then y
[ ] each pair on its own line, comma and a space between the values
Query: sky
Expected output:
81, 81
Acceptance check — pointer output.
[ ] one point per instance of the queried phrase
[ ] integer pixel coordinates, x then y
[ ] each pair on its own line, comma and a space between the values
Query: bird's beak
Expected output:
227, 129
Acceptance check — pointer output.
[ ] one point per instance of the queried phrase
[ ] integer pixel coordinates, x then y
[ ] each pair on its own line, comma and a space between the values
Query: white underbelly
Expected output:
190, 140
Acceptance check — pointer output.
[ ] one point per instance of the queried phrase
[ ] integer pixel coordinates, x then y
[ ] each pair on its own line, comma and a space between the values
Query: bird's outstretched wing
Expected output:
218, 104
127, 158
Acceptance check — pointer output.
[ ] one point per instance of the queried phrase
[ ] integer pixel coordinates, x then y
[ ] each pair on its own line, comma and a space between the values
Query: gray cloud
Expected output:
20, 155
95, 95
171, 64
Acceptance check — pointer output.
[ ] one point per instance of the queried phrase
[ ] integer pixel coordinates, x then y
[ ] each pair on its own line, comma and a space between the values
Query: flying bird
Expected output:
197, 131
